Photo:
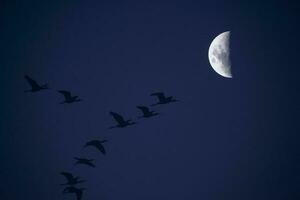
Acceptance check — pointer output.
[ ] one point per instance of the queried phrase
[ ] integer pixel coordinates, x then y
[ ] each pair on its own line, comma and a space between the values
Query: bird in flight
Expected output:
73, 190
97, 144
68, 97
84, 161
34, 85
162, 99
121, 121
71, 180
146, 112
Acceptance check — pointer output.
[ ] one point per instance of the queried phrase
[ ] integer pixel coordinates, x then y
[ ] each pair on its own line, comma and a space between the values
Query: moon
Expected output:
219, 54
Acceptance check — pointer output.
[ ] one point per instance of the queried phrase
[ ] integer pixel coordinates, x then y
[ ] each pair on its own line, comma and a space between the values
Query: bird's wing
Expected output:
76, 158
144, 109
88, 143
92, 143
90, 164
32, 82
118, 117
66, 94
68, 175
78, 194
101, 148
160, 95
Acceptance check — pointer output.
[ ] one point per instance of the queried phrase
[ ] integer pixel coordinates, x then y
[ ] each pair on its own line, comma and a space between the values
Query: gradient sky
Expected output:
226, 138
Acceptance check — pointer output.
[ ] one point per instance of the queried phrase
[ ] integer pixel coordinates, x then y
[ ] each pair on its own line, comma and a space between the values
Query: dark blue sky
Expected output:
226, 138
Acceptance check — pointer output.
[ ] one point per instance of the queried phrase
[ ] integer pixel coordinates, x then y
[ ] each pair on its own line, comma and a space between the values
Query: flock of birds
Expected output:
73, 181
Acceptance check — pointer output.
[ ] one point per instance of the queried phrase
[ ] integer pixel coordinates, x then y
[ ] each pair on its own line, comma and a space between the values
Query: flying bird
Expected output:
73, 190
146, 112
97, 144
34, 85
71, 180
68, 97
84, 161
162, 99
121, 121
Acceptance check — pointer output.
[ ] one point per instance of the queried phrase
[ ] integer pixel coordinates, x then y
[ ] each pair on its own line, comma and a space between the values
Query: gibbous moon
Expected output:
219, 54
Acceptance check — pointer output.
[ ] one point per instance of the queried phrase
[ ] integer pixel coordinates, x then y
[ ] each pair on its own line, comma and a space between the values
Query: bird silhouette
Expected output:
68, 97
97, 144
84, 161
71, 180
162, 99
34, 85
146, 112
73, 190
120, 120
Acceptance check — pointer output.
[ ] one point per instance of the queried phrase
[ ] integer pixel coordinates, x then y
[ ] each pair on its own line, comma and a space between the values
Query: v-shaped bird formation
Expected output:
72, 181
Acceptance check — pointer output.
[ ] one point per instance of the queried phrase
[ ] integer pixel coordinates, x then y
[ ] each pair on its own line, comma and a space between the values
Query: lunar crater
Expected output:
219, 54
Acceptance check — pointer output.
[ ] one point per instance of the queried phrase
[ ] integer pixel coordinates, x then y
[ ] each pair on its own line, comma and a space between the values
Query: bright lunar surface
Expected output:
219, 54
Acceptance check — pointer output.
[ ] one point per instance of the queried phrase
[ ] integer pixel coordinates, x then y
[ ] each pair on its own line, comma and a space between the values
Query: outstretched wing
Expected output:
88, 143
160, 95
97, 144
79, 194
118, 117
68, 176
101, 148
89, 163
31, 82
144, 109
66, 94
76, 158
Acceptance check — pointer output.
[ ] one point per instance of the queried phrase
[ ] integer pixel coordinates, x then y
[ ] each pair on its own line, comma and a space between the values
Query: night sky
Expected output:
225, 139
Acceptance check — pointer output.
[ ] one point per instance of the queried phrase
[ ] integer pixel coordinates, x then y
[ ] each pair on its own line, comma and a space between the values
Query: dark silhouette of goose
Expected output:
68, 97
97, 144
121, 121
71, 180
73, 190
162, 99
34, 85
146, 112
84, 161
